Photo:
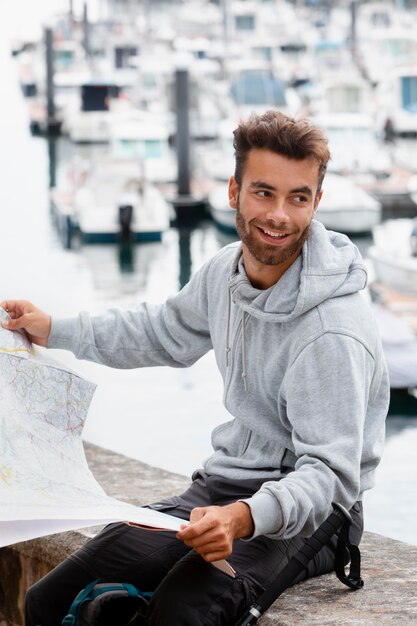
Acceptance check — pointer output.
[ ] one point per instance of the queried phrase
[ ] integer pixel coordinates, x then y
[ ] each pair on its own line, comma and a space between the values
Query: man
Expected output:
305, 383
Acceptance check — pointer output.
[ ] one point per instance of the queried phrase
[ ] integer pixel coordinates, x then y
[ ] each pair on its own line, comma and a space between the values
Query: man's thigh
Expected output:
195, 592
120, 553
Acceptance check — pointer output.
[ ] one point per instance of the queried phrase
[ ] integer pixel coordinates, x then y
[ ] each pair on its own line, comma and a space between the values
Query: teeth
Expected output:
268, 232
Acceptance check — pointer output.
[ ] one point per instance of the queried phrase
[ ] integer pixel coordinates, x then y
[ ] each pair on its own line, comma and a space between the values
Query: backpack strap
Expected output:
345, 548
83, 596
96, 589
338, 521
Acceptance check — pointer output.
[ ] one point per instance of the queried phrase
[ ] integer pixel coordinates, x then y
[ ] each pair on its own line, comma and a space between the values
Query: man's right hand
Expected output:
28, 317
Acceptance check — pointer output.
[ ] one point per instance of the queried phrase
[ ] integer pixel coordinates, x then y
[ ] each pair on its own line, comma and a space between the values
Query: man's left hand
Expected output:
212, 529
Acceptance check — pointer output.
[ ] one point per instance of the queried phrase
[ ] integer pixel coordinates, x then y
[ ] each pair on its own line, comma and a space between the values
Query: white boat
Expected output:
399, 343
391, 255
143, 136
217, 162
347, 208
253, 86
343, 91
396, 96
109, 203
383, 50
222, 214
354, 147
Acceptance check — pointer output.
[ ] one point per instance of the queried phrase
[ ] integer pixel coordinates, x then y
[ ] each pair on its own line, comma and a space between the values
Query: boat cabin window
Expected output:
122, 55
397, 48
245, 23
149, 80
409, 93
143, 149
97, 97
344, 98
262, 52
380, 18
64, 59
255, 87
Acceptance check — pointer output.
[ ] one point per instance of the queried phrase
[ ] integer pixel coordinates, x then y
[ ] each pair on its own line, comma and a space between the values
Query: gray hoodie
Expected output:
304, 375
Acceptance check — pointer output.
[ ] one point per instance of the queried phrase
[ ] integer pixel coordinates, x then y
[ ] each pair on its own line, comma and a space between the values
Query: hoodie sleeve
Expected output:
327, 391
176, 333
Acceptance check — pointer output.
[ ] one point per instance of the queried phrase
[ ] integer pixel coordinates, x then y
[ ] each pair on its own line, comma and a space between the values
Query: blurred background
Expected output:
116, 120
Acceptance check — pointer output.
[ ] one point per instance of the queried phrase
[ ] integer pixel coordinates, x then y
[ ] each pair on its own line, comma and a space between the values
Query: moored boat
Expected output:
109, 205
392, 258
347, 208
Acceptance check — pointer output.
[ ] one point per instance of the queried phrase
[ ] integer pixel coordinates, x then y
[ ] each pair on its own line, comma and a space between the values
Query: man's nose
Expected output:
278, 212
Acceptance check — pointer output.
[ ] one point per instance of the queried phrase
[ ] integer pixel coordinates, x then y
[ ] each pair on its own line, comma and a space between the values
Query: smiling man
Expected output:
304, 381
275, 202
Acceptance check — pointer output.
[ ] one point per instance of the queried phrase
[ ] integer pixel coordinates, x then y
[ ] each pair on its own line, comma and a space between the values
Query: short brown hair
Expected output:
294, 139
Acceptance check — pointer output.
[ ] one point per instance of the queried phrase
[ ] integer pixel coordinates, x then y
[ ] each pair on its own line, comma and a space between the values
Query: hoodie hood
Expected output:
325, 255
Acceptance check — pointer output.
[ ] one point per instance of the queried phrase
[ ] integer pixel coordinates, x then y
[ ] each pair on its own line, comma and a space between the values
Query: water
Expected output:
161, 416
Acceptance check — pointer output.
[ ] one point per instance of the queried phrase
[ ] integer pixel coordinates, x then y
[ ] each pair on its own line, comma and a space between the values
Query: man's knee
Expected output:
195, 592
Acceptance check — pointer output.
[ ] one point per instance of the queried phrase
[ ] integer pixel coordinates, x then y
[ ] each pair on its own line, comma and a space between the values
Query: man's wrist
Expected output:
242, 520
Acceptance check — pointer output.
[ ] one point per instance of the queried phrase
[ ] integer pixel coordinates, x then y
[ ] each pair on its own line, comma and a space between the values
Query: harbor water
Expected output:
161, 416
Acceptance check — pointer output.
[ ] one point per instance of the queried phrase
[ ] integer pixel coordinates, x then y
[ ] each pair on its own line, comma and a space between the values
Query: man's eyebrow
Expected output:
259, 184
305, 190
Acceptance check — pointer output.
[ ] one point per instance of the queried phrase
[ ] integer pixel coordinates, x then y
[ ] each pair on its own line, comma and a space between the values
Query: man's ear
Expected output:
317, 201
233, 193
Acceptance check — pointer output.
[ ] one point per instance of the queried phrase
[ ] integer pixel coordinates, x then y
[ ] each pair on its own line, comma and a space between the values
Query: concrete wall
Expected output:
389, 567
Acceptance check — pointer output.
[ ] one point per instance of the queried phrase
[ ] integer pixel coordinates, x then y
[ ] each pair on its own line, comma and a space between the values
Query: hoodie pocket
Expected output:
256, 451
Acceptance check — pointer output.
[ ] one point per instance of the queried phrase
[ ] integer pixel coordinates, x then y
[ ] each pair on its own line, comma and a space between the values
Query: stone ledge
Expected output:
389, 566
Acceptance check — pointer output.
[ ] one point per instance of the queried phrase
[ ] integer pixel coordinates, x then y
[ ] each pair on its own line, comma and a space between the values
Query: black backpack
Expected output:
107, 604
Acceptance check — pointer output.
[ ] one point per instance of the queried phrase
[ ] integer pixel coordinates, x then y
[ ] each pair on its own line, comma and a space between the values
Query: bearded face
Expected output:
269, 254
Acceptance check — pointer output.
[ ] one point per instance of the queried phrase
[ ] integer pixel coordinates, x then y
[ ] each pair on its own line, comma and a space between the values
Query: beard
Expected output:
261, 251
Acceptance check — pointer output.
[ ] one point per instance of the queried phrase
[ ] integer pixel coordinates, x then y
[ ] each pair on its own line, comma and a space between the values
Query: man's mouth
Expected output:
272, 235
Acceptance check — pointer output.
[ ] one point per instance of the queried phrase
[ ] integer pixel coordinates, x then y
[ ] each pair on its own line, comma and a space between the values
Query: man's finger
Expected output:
11, 305
15, 324
197, 514
195, 529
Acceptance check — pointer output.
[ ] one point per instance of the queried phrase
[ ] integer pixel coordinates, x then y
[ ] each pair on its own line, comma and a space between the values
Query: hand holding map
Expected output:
46, 485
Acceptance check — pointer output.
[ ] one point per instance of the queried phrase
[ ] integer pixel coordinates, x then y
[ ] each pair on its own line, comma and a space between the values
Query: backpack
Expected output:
106, 604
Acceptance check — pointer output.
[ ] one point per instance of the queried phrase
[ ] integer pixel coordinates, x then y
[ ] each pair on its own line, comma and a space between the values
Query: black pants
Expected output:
188, 590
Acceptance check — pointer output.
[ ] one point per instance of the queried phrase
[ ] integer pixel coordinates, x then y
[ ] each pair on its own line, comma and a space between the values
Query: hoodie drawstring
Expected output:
244, 375
229, 307
228, 348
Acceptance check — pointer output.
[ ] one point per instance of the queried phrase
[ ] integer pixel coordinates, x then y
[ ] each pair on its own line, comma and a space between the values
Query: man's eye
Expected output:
263, 194
300, 199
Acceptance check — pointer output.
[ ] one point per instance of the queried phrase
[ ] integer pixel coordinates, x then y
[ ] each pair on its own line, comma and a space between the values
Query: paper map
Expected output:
46, 485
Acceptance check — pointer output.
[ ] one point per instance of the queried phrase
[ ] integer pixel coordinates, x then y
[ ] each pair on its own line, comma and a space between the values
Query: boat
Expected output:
98, 103
354, 147
383, 50
139, 135
342, 92
396, 97
221, 213
396, 317
347, 208
400, 348
108, 205
254, 86
391, 256
216, 162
